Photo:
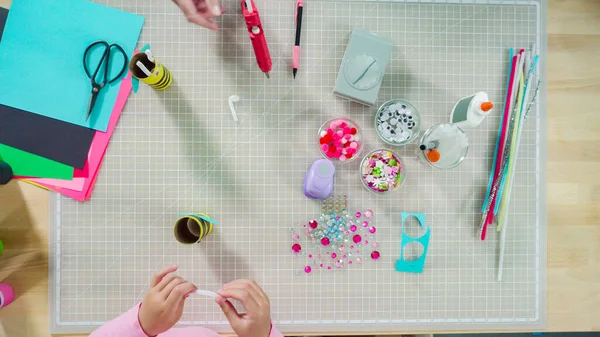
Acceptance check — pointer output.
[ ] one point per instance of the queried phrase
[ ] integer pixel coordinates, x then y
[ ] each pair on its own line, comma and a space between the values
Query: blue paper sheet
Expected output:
41, 57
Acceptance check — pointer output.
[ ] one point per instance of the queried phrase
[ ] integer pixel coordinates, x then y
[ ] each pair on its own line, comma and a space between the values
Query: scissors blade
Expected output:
92, 102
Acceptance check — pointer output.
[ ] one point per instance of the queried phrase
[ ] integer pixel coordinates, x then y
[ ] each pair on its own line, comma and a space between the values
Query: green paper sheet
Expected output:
29, 165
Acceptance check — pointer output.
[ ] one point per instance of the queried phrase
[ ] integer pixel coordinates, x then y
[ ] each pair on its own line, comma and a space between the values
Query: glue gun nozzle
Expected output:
268, 75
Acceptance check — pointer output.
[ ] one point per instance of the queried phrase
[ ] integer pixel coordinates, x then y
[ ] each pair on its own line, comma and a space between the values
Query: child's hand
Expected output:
256, 322
201, 12
163, 305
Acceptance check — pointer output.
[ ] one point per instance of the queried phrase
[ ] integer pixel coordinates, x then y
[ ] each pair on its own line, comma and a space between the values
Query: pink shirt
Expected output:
128, 325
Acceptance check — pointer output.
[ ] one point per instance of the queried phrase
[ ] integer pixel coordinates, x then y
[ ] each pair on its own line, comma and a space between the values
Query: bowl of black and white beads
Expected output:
397, 122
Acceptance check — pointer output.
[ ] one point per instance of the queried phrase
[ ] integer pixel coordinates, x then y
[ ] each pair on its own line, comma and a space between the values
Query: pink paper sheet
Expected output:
98, 149
76, 184
84, 172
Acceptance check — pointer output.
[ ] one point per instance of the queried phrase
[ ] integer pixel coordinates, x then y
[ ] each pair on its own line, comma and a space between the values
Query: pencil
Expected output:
296, 57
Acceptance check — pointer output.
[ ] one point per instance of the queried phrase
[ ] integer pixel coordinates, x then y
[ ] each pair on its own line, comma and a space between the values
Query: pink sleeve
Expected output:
124, 325
128, 325
275, 332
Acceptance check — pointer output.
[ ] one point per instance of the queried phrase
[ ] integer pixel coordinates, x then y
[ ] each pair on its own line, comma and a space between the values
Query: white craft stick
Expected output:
233, 99
149, 54
206, 293
143, 68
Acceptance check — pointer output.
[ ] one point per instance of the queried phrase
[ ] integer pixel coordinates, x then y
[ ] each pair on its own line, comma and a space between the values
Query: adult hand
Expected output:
256, 322
200, 12
163, 305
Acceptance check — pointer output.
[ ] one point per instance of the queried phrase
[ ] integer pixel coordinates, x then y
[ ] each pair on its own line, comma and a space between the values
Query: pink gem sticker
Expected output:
296, 248
375, 255
365, 223
375, 245
313, 224
307, 269
296, 237
333, 255
358, 215
368, 213
357, 238
325, 241
353, 228
372, 230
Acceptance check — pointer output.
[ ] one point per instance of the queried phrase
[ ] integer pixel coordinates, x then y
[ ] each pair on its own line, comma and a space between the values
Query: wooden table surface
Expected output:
573, 191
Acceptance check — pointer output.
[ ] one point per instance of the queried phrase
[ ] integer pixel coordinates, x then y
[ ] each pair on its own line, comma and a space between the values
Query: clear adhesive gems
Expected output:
337, 239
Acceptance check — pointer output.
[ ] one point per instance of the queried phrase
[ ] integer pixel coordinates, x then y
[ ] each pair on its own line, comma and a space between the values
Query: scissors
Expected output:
105, 62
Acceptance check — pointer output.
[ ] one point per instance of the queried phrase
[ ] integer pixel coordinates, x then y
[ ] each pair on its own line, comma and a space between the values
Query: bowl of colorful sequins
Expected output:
340, 140
397, 122
382, 171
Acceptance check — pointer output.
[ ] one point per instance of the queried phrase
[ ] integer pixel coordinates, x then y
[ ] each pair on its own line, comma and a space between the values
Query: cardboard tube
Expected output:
160, 77
192, 229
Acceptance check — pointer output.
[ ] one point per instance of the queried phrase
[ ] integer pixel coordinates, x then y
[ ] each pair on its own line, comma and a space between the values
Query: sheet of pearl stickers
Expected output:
180, 151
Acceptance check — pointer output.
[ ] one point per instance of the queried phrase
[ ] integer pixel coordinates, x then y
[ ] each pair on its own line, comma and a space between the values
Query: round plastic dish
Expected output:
340, 140
396, 116
451, 156
382, 171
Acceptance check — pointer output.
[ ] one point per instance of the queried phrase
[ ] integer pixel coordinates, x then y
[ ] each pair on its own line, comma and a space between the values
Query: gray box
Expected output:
363, 67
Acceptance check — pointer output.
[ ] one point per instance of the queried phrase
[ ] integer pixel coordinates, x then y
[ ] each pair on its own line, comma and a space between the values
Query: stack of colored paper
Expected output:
45, 135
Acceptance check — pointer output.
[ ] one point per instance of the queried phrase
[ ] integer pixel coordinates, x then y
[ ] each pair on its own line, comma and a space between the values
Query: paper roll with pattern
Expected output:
192, 228
148, 70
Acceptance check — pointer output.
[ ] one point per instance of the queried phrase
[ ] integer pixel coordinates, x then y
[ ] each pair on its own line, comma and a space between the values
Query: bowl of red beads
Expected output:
340, 140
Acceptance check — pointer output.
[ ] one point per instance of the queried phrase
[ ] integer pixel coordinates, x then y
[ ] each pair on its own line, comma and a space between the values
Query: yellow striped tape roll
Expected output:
160, 77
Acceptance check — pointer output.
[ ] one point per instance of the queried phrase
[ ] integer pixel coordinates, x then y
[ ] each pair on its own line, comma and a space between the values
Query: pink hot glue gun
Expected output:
257, 36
